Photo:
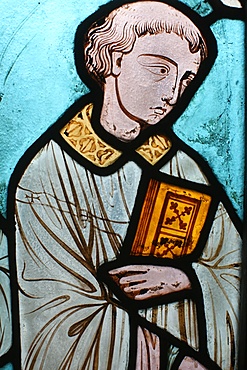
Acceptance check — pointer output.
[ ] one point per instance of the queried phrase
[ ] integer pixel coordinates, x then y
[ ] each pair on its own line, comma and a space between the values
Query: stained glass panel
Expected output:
122, 185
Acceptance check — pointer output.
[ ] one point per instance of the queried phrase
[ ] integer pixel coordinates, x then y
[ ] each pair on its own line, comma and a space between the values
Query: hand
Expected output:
142, 282
189, 363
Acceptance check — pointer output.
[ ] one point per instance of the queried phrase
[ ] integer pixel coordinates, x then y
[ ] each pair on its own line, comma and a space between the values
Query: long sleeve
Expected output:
5, 300
69, 221
218, 270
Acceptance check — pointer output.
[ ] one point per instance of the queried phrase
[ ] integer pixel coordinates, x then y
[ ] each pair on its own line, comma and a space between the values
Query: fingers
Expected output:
150, 293
129, 269
143, 290
147, 295
140, 292
133, 279
136, 287
142, 282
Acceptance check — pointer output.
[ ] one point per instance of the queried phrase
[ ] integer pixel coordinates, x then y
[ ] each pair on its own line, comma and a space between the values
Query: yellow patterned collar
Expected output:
79, 134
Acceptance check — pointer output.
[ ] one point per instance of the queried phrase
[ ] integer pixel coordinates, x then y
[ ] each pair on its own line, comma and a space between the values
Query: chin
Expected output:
127, 137
154, 119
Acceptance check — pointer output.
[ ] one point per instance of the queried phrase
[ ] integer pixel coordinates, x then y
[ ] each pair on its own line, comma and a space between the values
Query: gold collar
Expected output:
79, 134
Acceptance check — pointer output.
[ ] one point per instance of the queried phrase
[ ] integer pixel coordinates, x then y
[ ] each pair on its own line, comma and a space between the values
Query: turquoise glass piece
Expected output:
7, 367
202, 7
39, 82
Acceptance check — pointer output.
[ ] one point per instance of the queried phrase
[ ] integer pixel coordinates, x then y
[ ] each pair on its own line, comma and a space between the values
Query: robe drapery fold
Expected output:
69, 221
5, 297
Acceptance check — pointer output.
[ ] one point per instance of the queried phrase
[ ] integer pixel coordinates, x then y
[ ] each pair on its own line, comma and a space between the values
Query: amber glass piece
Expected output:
154, 148
171, 221
79, 134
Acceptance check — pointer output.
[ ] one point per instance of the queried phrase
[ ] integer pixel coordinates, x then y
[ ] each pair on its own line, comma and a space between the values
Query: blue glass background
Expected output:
38, 82
7, 367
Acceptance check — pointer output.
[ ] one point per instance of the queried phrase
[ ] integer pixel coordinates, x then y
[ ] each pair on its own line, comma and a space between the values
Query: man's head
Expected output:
145, 53
124, 25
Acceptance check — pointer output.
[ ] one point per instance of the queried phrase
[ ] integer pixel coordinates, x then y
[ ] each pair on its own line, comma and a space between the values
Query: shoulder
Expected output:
182, 165
45, 165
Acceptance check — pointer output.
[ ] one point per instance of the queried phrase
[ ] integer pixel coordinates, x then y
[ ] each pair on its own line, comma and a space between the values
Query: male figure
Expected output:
71, 220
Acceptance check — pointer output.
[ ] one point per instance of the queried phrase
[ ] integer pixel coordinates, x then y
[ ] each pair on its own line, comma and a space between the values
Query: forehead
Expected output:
168, 45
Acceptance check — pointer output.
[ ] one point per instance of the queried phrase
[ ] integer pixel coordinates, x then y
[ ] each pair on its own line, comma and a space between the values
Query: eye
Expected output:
163, 71
156, 65
159, 70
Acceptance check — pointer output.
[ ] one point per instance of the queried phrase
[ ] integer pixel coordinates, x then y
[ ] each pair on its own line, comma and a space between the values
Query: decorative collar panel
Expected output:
79, 134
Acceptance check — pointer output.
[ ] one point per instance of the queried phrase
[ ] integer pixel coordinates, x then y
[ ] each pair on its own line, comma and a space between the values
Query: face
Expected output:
154, 75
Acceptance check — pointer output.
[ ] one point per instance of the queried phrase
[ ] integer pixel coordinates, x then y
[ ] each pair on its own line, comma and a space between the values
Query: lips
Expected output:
156, 115
160, 111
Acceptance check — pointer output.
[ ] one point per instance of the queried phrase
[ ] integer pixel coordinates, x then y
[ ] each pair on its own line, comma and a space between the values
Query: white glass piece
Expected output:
5, 311
233, 3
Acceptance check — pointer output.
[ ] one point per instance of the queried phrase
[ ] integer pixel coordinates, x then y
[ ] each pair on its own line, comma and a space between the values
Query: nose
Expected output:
171, 98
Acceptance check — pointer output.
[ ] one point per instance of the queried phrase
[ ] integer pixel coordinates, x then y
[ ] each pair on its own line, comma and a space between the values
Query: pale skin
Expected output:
150, 281
189, 363
154, 73
142, 282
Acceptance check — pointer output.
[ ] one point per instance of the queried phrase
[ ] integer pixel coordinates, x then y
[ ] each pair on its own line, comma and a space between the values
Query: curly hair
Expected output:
125, 24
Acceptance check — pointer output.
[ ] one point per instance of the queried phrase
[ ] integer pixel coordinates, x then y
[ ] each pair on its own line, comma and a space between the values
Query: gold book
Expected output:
171, 221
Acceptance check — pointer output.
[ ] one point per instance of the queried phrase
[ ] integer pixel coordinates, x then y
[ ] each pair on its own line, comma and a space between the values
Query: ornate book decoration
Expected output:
171, 221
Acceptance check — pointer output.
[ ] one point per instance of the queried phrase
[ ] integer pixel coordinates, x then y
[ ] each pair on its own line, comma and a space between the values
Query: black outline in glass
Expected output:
220, 11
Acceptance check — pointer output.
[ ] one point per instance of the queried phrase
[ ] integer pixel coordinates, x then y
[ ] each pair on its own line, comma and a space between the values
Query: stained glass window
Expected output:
122, 185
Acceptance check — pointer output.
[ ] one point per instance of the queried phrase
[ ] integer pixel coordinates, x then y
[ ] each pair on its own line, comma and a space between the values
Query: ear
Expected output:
116, 63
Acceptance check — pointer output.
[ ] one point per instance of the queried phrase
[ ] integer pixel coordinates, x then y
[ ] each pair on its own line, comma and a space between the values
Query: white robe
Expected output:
69, 221
5, 298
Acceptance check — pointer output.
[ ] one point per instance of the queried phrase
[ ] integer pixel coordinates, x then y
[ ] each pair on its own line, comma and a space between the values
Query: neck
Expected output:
114, 118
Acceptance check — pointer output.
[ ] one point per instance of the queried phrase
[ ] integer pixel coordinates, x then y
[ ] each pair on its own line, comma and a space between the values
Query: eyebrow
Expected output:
163, 58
